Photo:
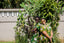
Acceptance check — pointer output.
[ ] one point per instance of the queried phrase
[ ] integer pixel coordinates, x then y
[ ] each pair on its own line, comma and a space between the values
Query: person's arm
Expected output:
33, 30
51, 33
45, 33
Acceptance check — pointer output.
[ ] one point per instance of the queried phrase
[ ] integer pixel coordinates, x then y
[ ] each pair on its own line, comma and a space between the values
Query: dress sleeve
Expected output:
37, 26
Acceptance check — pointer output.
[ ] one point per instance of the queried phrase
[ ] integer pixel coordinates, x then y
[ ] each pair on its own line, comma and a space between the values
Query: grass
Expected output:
62, 41
6, 42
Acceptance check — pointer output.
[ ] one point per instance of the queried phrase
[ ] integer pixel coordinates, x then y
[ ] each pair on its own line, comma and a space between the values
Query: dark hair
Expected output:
37, 17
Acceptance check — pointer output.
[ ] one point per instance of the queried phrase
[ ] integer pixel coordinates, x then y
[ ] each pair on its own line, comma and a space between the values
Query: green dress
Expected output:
41, 38
35, 37
46, 28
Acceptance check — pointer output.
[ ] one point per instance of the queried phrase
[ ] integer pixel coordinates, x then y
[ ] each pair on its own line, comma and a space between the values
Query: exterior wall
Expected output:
60, 29
8, 18
7, 32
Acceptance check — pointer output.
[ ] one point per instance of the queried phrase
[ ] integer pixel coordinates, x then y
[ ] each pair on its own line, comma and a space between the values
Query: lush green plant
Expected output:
48, 9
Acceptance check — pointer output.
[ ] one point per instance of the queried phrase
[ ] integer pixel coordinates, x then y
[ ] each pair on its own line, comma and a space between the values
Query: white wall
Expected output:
7, 32
6, 28
60, 29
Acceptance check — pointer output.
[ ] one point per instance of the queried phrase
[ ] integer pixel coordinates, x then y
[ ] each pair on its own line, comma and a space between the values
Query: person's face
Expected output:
43, 21
37, 20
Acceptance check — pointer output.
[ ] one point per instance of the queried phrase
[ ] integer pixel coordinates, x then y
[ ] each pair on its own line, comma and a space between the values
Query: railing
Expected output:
9, 12
9, 15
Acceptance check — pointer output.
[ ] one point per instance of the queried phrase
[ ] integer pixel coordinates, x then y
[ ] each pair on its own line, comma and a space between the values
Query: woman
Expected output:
36, 28
46, 30
43, 32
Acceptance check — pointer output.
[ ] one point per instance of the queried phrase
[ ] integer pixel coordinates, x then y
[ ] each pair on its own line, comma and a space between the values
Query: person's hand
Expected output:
51, 36
50, 39
34, 30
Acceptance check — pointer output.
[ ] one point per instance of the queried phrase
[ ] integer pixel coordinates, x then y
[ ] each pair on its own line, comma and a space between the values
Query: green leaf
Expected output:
22, 5
63, 9
43, 0
50, 13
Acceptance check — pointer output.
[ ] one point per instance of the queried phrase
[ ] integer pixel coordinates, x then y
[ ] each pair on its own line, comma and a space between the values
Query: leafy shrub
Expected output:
48, 9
